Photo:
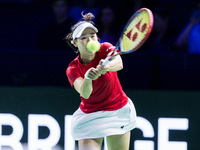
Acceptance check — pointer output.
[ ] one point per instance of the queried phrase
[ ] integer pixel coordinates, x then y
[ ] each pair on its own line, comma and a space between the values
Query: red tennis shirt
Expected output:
107, 94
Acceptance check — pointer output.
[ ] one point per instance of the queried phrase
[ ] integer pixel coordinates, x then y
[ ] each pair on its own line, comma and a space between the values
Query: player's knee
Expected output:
90, 144
118, 142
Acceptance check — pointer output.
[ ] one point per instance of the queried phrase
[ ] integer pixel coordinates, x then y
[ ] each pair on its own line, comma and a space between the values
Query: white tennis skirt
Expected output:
103, 123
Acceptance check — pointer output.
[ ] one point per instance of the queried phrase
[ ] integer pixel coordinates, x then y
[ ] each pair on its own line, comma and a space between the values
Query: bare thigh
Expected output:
118, 142
90, 144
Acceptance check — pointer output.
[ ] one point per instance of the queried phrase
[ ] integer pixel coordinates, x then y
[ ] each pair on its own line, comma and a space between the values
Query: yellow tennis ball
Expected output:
93, 46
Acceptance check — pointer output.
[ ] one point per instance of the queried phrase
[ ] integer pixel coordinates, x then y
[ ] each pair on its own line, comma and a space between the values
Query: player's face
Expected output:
87, 35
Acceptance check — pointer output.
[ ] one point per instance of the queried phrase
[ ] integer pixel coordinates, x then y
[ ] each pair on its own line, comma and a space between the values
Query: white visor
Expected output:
79, 30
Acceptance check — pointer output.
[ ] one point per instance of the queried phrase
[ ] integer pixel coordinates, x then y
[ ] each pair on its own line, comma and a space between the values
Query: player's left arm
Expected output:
115, 64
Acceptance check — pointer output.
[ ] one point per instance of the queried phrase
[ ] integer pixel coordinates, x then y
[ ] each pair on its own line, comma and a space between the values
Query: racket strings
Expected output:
135, 32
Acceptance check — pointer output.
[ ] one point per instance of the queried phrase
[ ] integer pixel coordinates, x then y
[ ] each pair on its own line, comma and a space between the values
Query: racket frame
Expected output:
119, 45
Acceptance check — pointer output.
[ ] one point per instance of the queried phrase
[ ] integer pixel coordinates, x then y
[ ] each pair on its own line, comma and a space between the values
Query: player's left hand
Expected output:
102, 69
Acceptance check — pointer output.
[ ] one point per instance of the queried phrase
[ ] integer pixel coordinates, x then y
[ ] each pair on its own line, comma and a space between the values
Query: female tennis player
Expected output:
105, 110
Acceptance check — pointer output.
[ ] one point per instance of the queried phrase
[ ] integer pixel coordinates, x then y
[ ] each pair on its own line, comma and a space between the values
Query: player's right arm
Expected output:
84, 85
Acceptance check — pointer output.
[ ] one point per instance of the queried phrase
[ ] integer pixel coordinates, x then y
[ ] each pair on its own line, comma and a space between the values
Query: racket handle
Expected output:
106, 61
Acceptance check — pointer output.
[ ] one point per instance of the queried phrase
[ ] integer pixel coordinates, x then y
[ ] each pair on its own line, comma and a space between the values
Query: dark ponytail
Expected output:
88, 17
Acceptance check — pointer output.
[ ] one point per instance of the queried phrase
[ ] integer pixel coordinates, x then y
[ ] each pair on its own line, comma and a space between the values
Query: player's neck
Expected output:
86, 59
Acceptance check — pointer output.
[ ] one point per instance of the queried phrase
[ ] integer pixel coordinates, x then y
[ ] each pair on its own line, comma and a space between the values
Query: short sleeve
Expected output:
72, 74
107, 48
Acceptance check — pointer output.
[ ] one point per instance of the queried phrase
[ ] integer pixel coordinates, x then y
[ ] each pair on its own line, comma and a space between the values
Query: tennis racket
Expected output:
135, 33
